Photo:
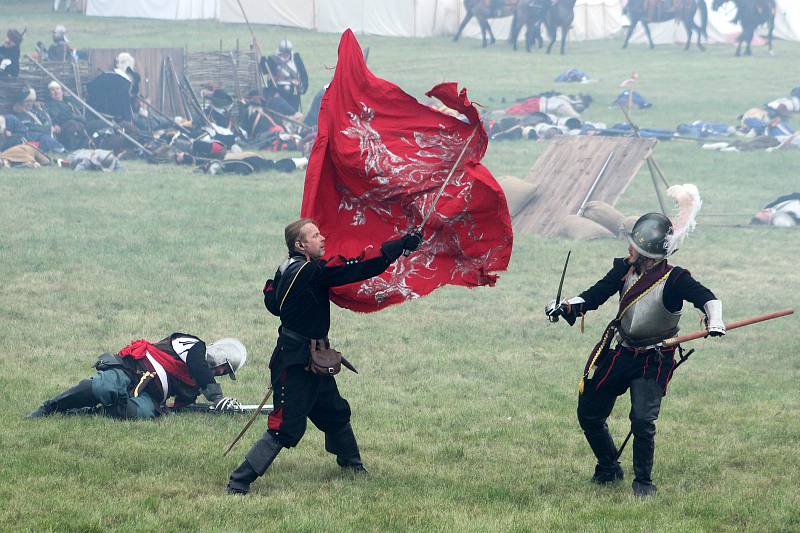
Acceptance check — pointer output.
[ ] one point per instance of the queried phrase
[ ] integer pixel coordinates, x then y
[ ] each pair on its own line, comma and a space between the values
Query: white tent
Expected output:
594, 19
154, 9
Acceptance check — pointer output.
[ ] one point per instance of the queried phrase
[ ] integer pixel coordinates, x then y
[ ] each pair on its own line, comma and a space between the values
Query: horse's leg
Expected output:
770, 29
739, 46
482, 23
551, 32
647, 32
634, 21
699, 37
749, 38
529, 38
515, 29
563, 38
464, 23
688, 25
491, 33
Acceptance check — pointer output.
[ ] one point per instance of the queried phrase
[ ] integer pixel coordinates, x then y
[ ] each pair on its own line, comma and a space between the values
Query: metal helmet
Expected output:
649, 235
285, 46
227, 350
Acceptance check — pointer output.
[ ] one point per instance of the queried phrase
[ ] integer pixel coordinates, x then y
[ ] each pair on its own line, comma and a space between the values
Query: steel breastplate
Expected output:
648, 321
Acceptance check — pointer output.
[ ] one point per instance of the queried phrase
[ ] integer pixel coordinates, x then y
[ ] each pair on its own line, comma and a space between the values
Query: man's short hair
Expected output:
293, 231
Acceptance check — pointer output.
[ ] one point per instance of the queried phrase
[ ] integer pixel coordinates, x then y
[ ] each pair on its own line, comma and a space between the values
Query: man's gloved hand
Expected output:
394, 248
568, 309
228, 404
411, 241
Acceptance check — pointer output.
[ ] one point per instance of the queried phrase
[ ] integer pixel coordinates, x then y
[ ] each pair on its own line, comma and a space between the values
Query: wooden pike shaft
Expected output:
733, 325
249, 422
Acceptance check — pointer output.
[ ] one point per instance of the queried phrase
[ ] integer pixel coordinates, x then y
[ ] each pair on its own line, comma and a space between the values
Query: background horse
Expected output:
559, 14
646, 11
751, 14
483, 10
530, 14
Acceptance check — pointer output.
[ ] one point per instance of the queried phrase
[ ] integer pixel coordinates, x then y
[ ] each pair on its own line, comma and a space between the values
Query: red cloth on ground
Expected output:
174, 367
528, 106
378, 161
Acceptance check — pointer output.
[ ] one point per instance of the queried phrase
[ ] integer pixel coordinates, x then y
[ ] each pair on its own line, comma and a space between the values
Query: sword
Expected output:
250, 422
209, 408
560, 286
447, 180
418, 229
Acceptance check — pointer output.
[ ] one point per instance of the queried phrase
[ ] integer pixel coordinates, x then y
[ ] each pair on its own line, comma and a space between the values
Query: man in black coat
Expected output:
9, 54
299, 295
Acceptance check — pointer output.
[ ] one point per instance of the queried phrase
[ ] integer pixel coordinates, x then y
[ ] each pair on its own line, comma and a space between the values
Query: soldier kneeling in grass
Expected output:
136, 382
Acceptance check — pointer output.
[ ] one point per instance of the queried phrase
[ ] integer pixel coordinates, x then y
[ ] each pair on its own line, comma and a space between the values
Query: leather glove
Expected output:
411, 241
568, 309
228, 404
394, 248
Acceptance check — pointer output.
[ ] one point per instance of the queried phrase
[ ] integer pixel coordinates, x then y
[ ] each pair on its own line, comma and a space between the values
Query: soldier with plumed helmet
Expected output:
630, 354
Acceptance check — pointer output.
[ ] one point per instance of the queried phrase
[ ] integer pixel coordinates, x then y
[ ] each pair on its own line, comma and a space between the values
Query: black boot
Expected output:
608, 468
73, 398
343, 445
643, 450
255, 463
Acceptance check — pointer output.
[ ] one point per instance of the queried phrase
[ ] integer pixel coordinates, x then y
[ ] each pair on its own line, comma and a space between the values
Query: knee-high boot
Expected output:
643, 451
343, 445
73, 398
255, 463
608, 468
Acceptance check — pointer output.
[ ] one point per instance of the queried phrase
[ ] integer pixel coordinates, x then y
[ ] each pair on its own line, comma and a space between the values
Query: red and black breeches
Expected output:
647, 375
299, 396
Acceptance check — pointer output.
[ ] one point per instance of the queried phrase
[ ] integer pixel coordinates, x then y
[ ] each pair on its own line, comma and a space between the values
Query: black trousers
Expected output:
300, 396
647, 375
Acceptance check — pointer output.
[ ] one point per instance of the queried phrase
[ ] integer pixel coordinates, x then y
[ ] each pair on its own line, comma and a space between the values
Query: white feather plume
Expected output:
688, 202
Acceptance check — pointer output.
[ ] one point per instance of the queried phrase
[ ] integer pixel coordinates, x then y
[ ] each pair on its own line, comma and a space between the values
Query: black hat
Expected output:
14, 36
25, 93
220, 98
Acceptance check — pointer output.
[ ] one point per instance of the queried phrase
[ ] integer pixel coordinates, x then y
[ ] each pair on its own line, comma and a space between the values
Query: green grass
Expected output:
465, 405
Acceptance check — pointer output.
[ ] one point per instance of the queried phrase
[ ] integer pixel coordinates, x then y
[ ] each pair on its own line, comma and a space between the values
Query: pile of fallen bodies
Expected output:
551, 114
114, 123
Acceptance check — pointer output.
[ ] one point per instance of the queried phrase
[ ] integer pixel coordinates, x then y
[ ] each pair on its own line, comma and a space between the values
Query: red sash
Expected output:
174, 367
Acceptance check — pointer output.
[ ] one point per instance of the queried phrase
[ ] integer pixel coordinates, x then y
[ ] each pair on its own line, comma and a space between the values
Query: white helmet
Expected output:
227, 350
285, 46
125, 61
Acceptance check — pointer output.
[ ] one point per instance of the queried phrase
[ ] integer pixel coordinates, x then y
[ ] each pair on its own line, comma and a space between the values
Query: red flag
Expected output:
379, 159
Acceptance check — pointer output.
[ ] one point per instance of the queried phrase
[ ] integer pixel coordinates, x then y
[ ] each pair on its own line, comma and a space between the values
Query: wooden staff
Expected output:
701, 334
250, 422
733, 325
116, 127
258, 50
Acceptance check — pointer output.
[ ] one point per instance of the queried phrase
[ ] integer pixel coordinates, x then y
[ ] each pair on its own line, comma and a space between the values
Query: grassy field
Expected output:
465, 405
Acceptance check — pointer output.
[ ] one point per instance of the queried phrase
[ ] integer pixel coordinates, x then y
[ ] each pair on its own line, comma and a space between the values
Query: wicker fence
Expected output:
235, 71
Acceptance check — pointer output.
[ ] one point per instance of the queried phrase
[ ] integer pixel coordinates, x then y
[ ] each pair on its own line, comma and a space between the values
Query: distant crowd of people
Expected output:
221, 133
